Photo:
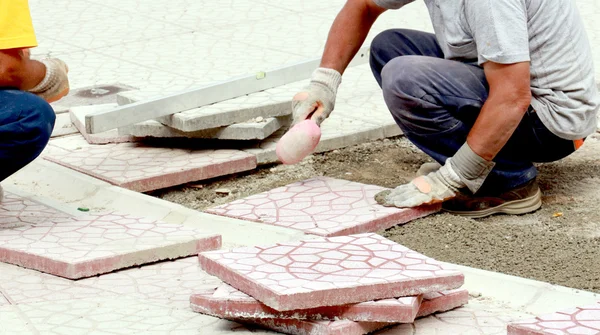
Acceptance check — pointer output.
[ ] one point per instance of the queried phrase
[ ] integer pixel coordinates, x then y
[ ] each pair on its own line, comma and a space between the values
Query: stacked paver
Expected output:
351, 284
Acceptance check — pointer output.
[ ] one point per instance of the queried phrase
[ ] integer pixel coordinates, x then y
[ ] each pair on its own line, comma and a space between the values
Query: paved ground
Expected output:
166, 46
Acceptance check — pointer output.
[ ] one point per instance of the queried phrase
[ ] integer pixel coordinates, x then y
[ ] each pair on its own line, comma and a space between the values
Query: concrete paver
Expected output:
343, 327
142, 168
329, 271
322, 206
227, 302
77, 115
86, 245
579, 320
169, 283
241, 131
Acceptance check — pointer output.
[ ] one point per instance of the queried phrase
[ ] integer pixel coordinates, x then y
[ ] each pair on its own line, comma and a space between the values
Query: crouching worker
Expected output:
501, 85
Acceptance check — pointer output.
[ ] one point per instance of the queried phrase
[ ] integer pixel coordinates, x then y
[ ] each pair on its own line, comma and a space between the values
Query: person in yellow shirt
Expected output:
27, 87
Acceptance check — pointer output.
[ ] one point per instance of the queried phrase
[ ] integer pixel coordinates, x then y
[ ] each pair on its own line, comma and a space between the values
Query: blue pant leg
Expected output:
26, 123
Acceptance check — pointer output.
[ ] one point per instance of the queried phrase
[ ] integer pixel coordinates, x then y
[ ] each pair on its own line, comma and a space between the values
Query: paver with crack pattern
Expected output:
229, 303
433, 303
82, 246
142, 168
329, 271
16, 211
322, 206
169, 282
574, 321
25, 286
120, 315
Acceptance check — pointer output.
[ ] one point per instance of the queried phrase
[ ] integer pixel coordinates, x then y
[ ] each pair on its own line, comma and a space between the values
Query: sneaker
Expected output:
524, 199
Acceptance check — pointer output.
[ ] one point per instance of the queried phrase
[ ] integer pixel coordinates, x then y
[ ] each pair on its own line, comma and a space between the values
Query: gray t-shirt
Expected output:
548, 33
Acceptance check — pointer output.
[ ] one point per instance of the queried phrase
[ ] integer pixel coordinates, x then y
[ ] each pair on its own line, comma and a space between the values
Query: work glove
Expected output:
464, 169
55, 84
317, 100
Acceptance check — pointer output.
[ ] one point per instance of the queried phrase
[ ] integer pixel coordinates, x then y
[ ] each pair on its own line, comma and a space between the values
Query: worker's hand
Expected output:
464, 169
55, 84
432, 188
317, 100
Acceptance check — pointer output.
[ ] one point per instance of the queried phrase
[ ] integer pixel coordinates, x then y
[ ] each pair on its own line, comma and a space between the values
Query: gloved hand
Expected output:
317, 100
55, 84
432, 188
465, 169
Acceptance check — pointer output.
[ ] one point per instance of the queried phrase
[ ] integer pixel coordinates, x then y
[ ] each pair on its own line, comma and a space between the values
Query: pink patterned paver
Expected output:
322, 206
442, 301
16, 211
142, 168
575, 321
24, 286
229, 303
329, 271
302, 327
83, 246
168, 283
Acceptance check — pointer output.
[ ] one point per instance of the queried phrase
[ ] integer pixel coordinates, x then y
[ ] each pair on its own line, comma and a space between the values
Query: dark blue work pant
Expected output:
26, 122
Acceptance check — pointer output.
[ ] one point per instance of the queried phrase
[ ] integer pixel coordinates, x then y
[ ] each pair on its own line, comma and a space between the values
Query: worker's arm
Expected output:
508, 100
347, 34
17, 70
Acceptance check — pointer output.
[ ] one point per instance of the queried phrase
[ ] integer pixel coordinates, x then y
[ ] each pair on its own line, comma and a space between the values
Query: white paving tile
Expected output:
88, 68
202, 56
168, 283
204, 16
24, 286
111, 316
92, 26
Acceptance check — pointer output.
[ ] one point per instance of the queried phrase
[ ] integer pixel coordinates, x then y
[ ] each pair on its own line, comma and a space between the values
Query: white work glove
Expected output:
465, 169
317, 100
55, 84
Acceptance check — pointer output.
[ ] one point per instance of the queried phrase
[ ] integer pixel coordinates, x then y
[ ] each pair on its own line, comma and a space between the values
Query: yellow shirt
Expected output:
16, 26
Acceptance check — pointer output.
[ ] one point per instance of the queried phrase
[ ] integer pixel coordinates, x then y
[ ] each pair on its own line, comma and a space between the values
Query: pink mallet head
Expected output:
298, 142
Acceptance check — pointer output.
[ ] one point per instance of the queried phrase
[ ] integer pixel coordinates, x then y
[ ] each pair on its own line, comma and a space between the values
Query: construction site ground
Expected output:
559, 244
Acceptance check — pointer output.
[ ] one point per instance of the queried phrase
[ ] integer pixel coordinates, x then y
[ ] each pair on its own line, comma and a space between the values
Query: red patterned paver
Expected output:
83, 246
329, 271
229, 303
322, 206
144, 168
575, 321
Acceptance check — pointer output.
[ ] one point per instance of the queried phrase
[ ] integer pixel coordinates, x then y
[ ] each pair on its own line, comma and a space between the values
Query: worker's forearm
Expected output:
495, 125
347, 34
17, 70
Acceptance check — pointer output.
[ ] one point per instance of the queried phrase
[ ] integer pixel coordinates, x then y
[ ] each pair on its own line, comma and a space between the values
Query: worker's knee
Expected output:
27, 122
404, 80
382, 42
37, 119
